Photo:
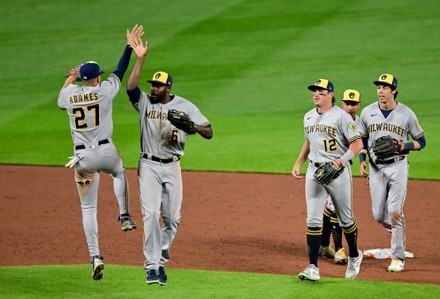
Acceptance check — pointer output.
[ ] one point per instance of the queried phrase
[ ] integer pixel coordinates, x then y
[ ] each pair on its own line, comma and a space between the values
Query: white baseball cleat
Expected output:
97, 267
310, 273
354, 266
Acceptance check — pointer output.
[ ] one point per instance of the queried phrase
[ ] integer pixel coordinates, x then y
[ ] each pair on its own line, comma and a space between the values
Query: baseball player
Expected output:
89, 107
351, 102
159, 173
388, 177
330, 136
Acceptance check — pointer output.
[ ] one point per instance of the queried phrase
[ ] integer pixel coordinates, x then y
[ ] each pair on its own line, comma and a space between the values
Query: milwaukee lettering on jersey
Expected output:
154, 114
386, 127
320, 128
80, 98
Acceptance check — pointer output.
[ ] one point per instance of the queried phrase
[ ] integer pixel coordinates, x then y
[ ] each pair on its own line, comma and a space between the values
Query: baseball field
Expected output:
246, 64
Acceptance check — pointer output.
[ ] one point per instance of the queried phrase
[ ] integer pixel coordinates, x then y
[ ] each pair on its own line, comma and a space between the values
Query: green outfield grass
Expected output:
246, 64
128, 282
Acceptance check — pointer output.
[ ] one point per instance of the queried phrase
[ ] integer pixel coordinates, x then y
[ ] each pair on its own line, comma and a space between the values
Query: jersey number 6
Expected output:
174, 135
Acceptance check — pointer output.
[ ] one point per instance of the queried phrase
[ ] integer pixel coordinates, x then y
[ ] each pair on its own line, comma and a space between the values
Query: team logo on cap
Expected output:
383, 77
157, 76
318, 82
351, 95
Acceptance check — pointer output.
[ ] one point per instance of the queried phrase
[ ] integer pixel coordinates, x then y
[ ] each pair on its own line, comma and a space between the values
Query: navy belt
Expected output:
82, 146
161, 160
390, 161
314, 163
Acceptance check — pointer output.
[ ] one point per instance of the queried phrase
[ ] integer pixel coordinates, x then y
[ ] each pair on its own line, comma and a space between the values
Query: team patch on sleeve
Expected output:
353, 127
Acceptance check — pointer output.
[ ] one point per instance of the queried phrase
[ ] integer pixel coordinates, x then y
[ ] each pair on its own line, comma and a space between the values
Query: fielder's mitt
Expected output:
327, 172
182, 121
74, 73
385, 147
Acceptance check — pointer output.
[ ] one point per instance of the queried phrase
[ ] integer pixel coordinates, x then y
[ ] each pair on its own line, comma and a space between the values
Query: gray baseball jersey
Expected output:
158, 136
160, 182
329, 135
90, 110
330, 206
90, 114
388, 181
399, 124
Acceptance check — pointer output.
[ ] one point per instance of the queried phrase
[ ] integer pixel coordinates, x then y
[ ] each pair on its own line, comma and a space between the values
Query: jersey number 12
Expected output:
330, 145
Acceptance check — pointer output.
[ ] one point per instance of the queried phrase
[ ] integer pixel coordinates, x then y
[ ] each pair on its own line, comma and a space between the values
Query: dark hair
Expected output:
333, 99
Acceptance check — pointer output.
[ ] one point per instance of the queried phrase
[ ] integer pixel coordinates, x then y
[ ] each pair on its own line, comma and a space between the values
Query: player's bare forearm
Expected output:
362, 169
204, 131
133, 80
356, 146
302, 157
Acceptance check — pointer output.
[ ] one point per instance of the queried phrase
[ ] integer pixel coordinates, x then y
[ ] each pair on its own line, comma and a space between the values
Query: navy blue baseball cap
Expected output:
161, 78
90, 70
322, 84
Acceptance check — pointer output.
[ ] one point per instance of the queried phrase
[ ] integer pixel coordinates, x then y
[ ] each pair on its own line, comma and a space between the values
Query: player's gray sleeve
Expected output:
61, 99
361, 125
196, 116
415, 129
349, 127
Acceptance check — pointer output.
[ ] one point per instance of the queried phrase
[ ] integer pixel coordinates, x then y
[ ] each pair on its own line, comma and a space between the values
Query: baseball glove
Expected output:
182, 121
74, 73
385, 147
327, 172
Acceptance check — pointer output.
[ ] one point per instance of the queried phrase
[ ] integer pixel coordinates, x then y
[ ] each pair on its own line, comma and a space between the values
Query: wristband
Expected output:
347, 156
408, 146
362, 157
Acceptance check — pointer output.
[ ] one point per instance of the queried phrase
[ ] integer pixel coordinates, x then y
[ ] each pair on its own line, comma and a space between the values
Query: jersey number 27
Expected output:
81, 111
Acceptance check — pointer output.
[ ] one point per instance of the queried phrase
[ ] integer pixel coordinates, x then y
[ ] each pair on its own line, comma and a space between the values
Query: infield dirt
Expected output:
230, 222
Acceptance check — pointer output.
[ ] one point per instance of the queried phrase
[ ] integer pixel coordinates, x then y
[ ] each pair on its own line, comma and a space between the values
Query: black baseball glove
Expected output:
327, 172
182, 121
385, 147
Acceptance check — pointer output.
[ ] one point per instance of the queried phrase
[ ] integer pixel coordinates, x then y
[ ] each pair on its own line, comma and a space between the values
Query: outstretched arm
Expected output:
132, 35
141, 51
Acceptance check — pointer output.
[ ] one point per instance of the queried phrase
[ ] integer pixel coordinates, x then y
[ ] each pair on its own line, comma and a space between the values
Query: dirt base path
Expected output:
230, 222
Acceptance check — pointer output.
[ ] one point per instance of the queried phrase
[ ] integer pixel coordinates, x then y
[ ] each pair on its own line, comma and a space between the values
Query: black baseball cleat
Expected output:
127, 223
152, 276
163, 279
